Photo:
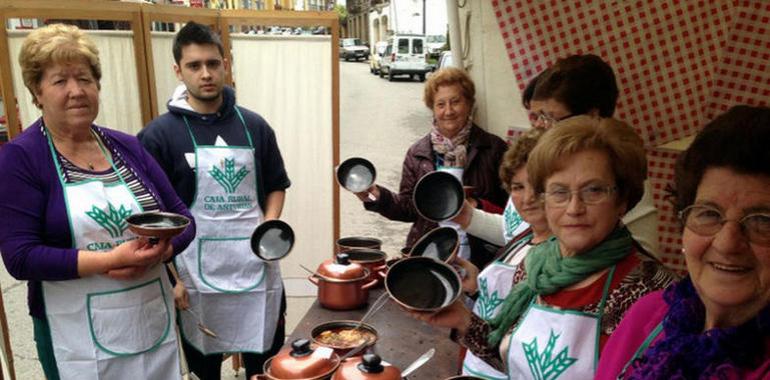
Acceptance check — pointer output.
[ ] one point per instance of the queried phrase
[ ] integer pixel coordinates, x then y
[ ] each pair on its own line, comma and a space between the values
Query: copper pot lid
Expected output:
302, 361
341, 268
367, 367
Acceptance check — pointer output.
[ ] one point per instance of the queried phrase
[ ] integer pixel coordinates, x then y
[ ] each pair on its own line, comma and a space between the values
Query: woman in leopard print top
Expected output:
573, 289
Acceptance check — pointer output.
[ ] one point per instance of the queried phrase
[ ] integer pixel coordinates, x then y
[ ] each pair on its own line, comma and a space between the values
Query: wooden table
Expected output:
402, 339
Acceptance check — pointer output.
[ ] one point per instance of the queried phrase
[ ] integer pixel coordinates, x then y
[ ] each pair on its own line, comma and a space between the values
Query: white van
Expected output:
406, 54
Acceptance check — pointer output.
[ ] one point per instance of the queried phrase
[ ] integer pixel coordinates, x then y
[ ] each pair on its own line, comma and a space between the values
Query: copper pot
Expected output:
341, 325
302, 361
357, 242
371, 259
342, 285
367, 367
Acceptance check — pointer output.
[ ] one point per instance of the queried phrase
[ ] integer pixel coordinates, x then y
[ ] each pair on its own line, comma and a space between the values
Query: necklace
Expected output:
89, 164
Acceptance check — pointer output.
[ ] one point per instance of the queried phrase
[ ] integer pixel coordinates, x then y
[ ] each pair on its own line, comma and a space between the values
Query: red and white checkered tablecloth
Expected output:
678, 64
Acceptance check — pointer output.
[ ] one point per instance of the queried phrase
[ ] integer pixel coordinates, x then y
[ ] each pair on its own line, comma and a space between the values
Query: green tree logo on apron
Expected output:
114, 221
229, 179
544, 365
488, 303
512, 220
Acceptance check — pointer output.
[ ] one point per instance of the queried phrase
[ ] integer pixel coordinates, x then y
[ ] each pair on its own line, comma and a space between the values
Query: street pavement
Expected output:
379, 120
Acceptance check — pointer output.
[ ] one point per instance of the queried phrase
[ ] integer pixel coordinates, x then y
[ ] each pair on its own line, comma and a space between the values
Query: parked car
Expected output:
445, 60
353, 48
375, 59
405, 54
436, 43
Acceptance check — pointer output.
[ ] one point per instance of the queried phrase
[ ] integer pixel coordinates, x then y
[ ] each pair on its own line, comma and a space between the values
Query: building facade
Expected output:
376, 20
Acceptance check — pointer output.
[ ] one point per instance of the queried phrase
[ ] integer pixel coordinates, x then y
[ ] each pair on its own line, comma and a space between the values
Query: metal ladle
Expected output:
418, 363
201, 326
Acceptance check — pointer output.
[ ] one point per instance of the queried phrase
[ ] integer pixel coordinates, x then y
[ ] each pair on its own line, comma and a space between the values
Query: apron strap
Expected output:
643, 347
606, 290
516, 245
600, 314
59, 169
240, 117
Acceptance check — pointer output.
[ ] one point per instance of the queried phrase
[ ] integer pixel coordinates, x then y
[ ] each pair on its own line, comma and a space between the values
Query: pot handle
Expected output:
382, 274
370, 284
313, 279
379, 268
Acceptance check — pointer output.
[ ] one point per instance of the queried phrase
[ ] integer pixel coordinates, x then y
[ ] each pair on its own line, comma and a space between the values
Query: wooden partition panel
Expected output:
279, 77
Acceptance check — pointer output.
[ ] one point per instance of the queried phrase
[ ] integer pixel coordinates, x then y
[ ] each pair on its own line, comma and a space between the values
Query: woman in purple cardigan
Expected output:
99, 298
715, 323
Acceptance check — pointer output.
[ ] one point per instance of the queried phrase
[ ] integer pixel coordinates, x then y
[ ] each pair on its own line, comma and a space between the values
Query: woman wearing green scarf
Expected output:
573, 289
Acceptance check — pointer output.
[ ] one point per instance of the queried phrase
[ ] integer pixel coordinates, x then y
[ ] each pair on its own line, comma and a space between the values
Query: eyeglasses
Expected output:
545, 120
707, 221
590, 195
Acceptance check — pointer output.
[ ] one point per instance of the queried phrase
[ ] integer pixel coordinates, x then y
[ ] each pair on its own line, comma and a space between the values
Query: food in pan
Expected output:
345, 337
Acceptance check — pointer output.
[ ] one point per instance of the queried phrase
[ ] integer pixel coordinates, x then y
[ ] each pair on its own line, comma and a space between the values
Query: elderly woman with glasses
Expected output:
454, 144
574, 288
715, 323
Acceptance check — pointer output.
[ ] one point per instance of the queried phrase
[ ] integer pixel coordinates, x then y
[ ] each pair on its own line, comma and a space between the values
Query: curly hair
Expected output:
55, 44
447, 77
624, 149
517, 154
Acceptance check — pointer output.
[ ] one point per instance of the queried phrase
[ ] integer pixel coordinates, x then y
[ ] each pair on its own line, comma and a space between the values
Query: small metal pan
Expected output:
423, 284
440, 243
272, 240
438, 196
356, 174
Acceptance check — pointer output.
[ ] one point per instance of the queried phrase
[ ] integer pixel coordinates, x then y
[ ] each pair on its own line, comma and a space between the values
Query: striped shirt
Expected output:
73, 174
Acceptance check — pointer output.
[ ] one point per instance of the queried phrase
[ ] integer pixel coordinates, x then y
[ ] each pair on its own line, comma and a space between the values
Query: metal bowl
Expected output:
157, 224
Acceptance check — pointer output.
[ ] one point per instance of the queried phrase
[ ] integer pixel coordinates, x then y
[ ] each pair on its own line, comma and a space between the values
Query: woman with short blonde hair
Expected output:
99, 296
56, 43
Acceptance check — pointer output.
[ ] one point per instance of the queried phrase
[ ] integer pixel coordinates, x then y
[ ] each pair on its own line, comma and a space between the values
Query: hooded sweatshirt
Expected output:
168, 139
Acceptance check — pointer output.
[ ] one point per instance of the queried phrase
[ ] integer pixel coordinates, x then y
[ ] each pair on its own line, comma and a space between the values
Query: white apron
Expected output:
551, 344
103, 328
513, 224
235, 294
494, 284
465, 249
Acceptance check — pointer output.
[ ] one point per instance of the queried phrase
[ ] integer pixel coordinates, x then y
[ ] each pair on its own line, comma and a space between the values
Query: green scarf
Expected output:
548, 272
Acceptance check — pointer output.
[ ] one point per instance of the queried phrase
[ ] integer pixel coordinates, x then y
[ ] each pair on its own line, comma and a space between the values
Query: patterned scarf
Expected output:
454, 150
686, 352
549, 272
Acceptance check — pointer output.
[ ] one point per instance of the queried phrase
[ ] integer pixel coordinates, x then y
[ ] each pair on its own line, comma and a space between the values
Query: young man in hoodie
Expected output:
224, 162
